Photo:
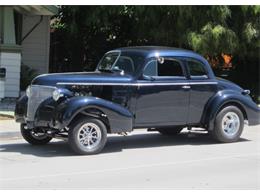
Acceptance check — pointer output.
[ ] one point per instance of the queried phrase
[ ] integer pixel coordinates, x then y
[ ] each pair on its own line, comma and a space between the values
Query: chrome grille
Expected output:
38, 93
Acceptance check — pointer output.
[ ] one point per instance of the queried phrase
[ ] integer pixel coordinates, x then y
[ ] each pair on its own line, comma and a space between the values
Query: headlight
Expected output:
57, 94
28, 91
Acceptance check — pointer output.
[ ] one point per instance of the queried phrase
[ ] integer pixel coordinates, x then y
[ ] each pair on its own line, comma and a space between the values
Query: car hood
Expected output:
82, 77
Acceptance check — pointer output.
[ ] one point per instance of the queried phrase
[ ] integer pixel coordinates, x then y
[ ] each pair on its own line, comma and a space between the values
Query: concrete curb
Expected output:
7, 115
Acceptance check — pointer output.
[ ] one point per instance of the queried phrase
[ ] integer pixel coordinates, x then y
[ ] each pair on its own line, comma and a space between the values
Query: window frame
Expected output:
128, 58
184, 77
103, 57
203, 66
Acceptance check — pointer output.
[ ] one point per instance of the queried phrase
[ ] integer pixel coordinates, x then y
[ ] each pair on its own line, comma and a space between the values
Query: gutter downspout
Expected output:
30, 31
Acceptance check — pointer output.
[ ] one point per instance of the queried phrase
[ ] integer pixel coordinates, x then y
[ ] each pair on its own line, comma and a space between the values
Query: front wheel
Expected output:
87, 136
229, 124
35, 136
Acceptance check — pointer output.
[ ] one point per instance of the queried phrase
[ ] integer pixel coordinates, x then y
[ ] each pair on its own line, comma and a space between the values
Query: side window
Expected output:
170, 68
166, 68
151, 68
125, 63
196, 69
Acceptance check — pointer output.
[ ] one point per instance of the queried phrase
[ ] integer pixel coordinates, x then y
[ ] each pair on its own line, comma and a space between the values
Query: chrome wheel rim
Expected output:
230, 124
89, 135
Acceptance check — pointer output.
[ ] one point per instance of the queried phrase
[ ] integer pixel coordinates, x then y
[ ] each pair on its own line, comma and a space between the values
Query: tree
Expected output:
82, 34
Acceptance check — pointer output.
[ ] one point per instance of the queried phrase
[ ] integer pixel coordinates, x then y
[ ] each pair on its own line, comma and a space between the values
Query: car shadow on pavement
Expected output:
115, 144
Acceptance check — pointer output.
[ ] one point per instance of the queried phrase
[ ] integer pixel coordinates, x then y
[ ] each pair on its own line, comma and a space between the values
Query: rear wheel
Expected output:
229, 124
170, 130
35, 136
87, 136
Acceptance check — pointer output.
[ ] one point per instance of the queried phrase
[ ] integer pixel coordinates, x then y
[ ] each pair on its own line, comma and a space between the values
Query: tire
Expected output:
170, 130
81, 136
33, 138
229, 124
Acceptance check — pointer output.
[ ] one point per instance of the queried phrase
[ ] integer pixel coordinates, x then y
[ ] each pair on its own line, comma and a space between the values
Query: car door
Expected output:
202, 89
162, 94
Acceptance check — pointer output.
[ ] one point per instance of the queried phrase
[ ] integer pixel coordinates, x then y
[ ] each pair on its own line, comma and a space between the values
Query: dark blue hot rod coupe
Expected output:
159, 88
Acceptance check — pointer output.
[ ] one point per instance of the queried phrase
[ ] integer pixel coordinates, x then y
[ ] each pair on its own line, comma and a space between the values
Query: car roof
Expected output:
154, 51
150, 49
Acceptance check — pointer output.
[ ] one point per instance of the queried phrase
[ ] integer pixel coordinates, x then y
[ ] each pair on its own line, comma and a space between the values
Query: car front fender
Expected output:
120, 119
225, 97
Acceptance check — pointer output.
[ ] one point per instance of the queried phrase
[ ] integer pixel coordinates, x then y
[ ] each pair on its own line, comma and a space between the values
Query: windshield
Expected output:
122, 62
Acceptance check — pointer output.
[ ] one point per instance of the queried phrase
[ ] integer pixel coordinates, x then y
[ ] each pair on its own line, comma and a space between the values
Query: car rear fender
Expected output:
223, 98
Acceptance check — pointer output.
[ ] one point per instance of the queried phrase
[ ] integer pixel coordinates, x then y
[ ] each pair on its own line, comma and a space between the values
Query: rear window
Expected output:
196, 69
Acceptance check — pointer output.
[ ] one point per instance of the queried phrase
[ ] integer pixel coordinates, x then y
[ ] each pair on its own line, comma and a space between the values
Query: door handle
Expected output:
185, 87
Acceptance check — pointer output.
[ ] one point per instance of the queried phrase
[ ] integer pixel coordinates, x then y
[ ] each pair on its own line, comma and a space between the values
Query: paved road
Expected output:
141, 160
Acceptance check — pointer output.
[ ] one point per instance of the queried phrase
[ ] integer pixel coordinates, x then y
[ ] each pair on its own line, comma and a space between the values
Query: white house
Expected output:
24, 39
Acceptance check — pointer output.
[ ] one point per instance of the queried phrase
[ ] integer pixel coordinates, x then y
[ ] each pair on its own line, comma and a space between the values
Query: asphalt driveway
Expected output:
141, 160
